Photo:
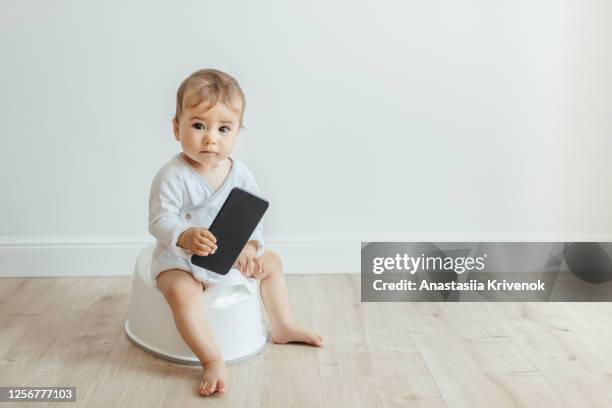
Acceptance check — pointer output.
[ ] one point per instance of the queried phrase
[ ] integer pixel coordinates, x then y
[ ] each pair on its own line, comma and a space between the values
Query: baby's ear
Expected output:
175, 128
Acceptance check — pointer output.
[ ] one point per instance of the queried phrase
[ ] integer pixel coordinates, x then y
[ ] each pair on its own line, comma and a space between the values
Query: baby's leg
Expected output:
276, 299
184, 295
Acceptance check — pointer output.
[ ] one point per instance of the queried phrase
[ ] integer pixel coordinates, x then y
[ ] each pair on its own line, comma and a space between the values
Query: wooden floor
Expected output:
69, 332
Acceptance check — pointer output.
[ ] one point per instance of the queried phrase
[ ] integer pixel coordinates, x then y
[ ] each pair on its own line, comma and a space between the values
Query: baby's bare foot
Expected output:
295, 333
213, 378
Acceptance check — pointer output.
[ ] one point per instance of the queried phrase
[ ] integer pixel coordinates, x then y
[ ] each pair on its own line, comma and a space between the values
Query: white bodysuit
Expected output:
180, 199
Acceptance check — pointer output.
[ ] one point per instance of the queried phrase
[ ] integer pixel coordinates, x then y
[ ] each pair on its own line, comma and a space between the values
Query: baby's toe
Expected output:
211, 388
221, 386
202, 388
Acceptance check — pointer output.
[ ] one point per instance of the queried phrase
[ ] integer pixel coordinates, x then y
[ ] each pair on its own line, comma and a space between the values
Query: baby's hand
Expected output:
248, 264
200, 241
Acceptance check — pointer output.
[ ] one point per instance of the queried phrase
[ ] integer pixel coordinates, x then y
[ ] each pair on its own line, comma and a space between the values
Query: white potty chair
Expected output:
231, 308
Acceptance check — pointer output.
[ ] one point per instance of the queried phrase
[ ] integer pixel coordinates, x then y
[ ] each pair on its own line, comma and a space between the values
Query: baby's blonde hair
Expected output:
208, 85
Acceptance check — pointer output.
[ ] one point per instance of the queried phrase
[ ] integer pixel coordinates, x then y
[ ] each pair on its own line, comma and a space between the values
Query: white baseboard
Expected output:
116, 255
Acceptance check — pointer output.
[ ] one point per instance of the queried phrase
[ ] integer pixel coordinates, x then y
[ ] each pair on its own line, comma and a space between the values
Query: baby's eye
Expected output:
198, 126
224, 129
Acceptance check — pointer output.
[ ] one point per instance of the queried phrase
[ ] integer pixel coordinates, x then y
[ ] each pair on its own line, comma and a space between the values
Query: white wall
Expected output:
442, 120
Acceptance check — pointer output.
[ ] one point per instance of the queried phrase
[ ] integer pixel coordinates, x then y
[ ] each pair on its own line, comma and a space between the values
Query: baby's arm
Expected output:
165, 223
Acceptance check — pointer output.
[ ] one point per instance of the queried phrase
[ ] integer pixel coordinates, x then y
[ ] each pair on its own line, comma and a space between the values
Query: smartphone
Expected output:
233, 226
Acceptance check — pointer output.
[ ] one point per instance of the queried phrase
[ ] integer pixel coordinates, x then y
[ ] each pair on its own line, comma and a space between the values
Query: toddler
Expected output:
186, 194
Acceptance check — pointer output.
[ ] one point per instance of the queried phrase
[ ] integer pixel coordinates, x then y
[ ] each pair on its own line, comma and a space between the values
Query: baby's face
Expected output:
208, 136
